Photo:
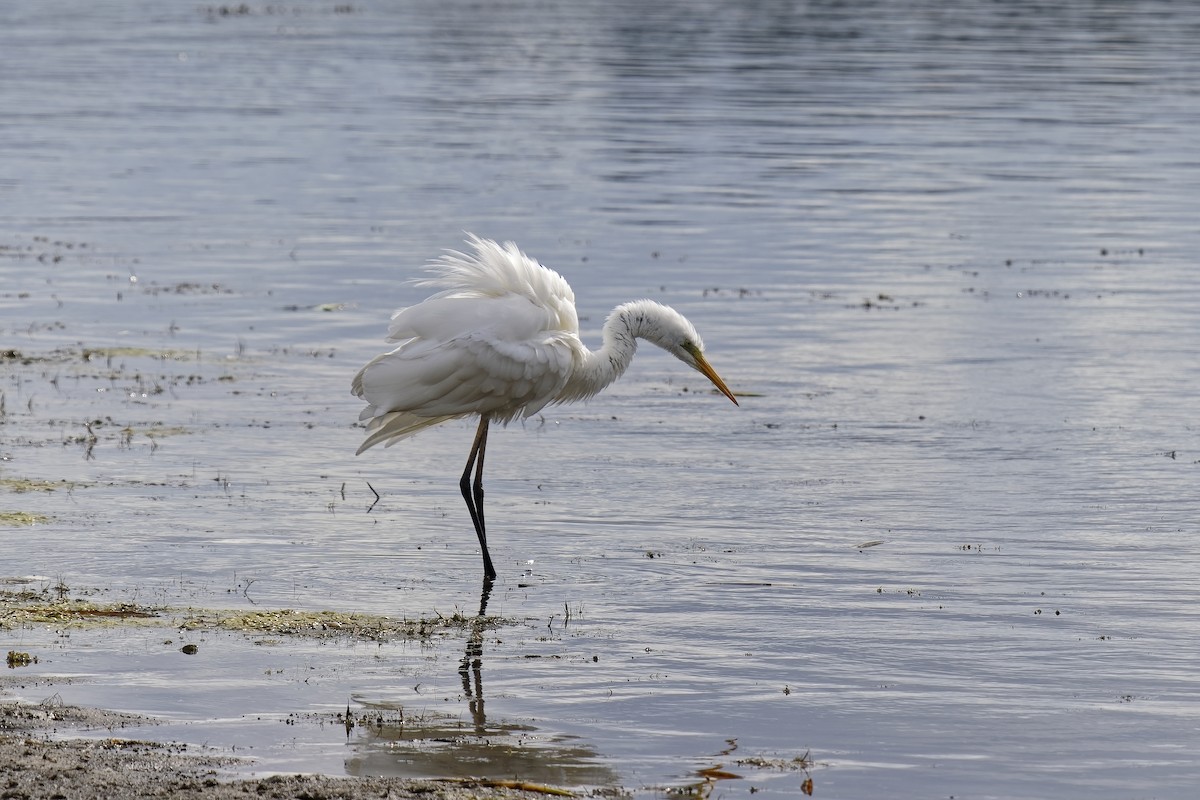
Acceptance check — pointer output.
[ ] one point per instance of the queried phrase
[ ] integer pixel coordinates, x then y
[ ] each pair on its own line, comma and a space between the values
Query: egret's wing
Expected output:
395, 426
461, 356
472, 375
511, 318
415, 378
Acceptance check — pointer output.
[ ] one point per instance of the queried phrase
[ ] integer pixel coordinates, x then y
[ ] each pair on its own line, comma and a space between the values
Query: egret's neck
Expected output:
624, 326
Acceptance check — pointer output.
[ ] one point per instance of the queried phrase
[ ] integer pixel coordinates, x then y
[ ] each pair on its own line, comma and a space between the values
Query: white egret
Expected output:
501, 341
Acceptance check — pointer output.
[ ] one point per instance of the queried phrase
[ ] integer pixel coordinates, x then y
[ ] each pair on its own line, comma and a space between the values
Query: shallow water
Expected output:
946, 254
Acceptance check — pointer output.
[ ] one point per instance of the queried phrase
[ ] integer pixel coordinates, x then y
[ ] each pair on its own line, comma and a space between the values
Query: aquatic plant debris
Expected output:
328, 624
19, 658
31, 608
523, 786
64, 355
802, 762
17, 610
16, 518
23, 485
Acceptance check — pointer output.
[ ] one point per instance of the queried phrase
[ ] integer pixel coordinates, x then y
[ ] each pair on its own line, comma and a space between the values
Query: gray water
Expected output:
947, 544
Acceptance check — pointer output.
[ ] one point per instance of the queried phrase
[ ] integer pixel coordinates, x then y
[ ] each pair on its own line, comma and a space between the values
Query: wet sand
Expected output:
55, 750
35, 762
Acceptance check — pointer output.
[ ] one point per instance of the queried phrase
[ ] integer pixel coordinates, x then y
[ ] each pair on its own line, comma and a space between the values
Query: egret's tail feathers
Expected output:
394, 426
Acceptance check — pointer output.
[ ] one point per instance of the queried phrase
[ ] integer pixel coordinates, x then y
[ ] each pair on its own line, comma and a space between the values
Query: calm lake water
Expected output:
947, 545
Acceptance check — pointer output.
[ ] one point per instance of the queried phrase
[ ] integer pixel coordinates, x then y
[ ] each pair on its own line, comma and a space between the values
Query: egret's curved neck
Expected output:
624, 326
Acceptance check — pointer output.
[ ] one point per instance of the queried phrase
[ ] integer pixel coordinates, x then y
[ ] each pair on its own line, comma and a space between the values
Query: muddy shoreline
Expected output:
36, 761
55, 750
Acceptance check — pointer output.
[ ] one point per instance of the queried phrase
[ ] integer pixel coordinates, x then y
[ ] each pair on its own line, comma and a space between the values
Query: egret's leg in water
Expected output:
473, 495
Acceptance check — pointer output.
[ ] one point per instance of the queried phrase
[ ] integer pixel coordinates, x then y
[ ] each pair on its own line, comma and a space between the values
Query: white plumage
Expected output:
501, 341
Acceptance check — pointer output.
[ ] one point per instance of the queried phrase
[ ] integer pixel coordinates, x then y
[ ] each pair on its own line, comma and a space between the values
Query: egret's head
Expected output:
693, 356
670, 330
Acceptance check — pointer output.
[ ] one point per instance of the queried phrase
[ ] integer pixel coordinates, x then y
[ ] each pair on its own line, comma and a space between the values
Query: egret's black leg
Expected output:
477, 488
474, 495
489, 571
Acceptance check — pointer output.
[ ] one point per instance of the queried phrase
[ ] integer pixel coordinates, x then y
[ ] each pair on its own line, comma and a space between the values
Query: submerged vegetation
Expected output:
27, 607
67, 355
17, 518
22, 485
326, 624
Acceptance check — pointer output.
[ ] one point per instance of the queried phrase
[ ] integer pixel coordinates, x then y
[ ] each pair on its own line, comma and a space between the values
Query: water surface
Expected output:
947, 256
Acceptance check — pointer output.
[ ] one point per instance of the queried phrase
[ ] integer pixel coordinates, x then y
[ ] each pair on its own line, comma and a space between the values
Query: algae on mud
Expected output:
18, 609
23, 485
330, 624
35, 762
17, 518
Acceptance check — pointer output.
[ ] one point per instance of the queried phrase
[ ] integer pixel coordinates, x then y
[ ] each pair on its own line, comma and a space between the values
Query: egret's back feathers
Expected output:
496, 270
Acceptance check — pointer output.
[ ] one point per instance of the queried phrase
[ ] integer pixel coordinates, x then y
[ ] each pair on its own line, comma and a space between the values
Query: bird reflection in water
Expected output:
471, 666
440, 746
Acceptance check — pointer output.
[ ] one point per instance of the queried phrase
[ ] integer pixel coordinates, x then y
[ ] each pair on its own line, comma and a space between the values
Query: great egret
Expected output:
501, 341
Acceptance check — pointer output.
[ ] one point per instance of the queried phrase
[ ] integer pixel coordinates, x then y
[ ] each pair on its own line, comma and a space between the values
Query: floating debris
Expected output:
31, 608
16, 518
23, 485
330, 624
16, 658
